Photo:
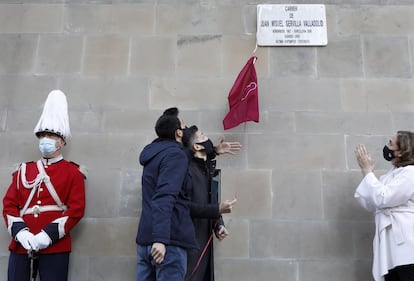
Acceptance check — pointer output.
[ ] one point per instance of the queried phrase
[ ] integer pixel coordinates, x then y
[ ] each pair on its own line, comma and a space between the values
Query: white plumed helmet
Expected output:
54, 118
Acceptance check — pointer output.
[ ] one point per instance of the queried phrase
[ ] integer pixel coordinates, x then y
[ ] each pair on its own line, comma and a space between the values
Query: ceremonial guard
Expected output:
45, 200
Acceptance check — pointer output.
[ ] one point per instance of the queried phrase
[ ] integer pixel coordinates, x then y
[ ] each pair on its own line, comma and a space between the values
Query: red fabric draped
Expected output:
243, 97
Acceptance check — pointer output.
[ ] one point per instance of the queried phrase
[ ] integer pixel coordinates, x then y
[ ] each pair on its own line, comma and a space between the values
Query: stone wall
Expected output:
122, 62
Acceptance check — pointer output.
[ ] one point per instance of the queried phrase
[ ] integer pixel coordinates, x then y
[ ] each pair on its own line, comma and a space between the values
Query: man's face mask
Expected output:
208, 146
388, 153
47, 146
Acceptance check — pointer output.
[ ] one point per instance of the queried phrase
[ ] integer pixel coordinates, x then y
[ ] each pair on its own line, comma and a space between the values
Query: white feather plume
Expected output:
55, 116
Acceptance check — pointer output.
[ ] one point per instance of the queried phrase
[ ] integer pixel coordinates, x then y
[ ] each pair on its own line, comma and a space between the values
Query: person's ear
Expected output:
60, 143
197, 147
179, 133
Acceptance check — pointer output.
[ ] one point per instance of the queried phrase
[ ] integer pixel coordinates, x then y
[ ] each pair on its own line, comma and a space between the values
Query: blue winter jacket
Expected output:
165, 215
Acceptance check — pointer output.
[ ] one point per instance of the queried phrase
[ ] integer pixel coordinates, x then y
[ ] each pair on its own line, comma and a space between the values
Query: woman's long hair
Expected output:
405, 142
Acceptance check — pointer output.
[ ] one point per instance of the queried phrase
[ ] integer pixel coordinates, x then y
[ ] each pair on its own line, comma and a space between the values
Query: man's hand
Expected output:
221, 233
43, 240
27, 240
227, 147
158, 252
227, 206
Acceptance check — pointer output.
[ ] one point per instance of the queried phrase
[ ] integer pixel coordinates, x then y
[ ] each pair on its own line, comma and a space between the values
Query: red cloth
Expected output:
243, 97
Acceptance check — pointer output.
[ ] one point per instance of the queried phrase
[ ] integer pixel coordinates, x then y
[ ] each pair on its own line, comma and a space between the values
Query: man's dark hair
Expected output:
166, 126
189, 136
172, 111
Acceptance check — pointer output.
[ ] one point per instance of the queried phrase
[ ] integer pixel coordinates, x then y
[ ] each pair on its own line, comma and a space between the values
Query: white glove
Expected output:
26, 239
42, 240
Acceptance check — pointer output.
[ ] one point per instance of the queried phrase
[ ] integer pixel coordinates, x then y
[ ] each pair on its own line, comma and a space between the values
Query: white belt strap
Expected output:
36, 209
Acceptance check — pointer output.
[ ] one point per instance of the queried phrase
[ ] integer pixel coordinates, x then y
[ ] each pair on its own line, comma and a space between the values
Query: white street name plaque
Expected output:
291, 25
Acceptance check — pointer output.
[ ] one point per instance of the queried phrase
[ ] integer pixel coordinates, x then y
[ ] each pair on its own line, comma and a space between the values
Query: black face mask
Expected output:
208, 146
388, 153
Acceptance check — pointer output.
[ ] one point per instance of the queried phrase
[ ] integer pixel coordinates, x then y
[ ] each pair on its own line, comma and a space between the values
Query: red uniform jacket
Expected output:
69, 184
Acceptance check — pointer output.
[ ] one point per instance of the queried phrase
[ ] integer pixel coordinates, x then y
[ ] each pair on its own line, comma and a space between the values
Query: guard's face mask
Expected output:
47, 146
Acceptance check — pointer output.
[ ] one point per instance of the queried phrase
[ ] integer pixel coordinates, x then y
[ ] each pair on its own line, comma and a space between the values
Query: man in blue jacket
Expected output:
165, 230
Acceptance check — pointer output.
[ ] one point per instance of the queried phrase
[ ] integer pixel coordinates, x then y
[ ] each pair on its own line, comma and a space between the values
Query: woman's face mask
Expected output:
47, 146
388, 153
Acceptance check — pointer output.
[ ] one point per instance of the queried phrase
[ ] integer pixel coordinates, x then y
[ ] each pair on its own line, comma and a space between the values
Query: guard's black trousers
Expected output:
50, 267
401, 273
